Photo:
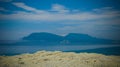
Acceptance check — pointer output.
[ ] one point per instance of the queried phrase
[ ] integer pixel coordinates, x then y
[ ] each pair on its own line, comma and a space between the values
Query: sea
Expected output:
9, 50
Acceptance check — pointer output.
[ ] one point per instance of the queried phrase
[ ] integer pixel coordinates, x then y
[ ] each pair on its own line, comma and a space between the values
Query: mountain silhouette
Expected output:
86, 39
43, 38
77, 37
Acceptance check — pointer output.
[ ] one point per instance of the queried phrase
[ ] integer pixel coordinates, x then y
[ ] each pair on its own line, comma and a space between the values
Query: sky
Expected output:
97, 18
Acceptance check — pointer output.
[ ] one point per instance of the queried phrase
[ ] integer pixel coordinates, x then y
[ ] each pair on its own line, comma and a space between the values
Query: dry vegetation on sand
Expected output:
60, 59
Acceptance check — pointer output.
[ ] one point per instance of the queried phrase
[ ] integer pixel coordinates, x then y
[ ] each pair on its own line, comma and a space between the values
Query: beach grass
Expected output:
60, 59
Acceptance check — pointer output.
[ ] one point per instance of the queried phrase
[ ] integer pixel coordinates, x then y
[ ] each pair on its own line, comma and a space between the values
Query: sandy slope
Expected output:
60, 59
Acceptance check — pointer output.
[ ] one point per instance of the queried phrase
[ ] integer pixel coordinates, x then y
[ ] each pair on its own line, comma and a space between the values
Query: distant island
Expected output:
72, 42
69, 39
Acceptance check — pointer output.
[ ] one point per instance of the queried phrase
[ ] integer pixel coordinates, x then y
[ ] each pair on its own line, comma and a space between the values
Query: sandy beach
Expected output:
59, 59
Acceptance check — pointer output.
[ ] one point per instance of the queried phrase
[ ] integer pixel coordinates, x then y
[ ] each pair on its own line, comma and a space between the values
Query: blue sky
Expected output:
98, 18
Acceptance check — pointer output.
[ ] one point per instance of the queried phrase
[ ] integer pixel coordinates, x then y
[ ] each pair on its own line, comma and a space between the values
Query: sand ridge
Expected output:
59, 59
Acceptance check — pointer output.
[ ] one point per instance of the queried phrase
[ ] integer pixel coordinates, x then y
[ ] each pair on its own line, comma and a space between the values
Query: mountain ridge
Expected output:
44, 38
71, 38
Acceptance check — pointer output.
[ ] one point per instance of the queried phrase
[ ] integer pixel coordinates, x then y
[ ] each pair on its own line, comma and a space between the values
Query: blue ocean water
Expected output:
102, 49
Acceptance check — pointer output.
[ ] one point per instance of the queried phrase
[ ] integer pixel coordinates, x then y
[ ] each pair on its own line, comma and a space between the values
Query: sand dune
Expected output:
59, 59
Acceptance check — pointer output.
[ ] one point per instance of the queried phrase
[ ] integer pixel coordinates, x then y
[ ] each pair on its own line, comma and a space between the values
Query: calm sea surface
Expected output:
103, 49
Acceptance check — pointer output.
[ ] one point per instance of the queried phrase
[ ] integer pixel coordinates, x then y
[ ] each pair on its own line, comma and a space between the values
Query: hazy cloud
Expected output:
28, 8
59, 8
5, 0
61, 13
3, 9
